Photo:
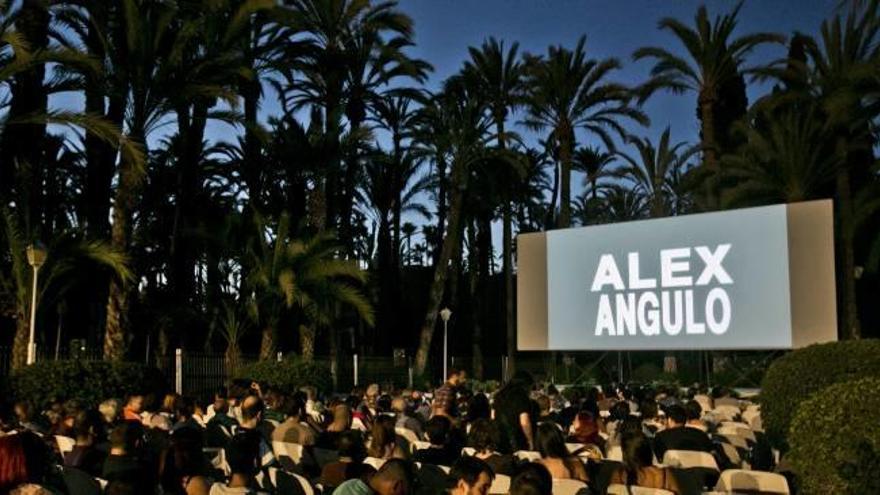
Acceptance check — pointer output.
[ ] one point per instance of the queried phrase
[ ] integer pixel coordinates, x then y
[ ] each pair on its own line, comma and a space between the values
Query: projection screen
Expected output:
757, 278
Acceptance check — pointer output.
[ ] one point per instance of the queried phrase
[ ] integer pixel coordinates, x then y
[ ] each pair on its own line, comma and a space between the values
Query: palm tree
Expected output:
593, 163
622, 204
713, 70
71, 259
498, 77
652, 172
468, 134
568, 91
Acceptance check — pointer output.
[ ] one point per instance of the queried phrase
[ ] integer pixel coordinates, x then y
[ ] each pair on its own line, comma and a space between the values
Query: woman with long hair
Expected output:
555, 456
638, 465
383, 440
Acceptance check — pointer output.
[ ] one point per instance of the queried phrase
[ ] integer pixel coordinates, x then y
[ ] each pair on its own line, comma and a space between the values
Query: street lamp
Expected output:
36, 256
445, 314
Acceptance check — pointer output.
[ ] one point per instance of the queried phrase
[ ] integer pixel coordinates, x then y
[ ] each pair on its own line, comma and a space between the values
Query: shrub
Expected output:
288, 375
833, 435
89, 382
792, 378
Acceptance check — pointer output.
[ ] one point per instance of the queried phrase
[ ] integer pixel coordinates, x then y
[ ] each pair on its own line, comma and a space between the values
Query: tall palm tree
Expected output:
498, 76
468, 133
593, 163
652, 172
568, 91
713, 69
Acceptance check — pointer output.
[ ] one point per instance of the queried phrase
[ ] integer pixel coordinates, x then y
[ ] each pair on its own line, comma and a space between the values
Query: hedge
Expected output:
288, 375
89, 382
792, 378
835, 439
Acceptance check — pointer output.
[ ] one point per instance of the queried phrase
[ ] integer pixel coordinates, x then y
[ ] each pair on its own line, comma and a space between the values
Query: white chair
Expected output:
731, 453
736, 480
357, 424
419, 445
286, 449
689, 459
567, 487
737, 429
501, 484
407, 434
65, 444
734, 439
527, 455
445, 469
615, 453
618, 489
375, 462
704, 401
470, 451
726, 412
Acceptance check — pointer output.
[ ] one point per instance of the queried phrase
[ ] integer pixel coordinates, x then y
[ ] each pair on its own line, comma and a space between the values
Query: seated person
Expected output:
394, 478
651, 423
694, 412
440, 453
585, 430
85, 455
221, 426
470, 475
677, 437
292, 430
638, 466
127, 461
483, 438
532, 479
555, 456
383, 440
406, 416
243, 456
350, 464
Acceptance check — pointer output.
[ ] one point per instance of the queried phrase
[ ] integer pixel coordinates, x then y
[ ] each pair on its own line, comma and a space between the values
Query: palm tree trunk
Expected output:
441, 208
267, 342
451, 243
307, 343
710, 150
20, 341
565, 147
849, 314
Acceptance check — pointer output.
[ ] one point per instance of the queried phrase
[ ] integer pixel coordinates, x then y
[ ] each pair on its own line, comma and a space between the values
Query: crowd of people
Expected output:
387, 442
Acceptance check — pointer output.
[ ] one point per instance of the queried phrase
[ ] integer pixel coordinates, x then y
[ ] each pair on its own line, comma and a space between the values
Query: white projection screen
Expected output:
756, 278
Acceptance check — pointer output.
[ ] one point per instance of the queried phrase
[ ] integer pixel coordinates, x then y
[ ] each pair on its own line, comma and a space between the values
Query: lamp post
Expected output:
445, 314
36, 256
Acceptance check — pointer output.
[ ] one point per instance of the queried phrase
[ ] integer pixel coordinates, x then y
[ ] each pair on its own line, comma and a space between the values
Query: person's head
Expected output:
395, 477
351, 445
23, 411
243, 455
471, 476
86, 426
382, 437
398, 405
169, 403
15, 466
483, 436
456, 376
585, 427
543, 404
532, 479
252, 408
372, 395
342, 416
478, 407
694, 410
294, 408
383, 403
619, 411
109, 410
438, 429
221, 403
184, 407
676, 416
550, 442
135, 403
127, 437
648, 409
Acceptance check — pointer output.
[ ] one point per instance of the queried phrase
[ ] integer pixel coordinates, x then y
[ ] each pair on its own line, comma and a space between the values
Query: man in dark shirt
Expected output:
85, 455
515, 415
446, 397
677, 436
440, 453
126, 462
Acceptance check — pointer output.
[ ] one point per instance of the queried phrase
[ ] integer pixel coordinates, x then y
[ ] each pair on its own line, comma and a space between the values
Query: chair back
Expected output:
731, 453
419, 445
567, 486
689, 459
501, 484
65, 444
527, 455
294, 451
468, 451
407, 434
739, 480
734, 439
615, 453
375, 462
619, 489
726, 412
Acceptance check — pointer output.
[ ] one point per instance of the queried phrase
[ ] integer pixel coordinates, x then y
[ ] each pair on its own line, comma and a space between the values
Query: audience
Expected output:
128, 461
86, 456
470, 476
533, 479
24, 465
350, 462
638, 466
383, 440
483, 438
242, 455
394, 478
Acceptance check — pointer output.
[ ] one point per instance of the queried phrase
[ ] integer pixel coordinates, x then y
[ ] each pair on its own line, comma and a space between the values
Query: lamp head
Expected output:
36, 255
445, 314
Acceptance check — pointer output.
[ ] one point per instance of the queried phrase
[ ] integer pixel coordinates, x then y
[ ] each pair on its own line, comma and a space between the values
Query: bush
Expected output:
835, 434
792, 378
288, 375
89, 382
